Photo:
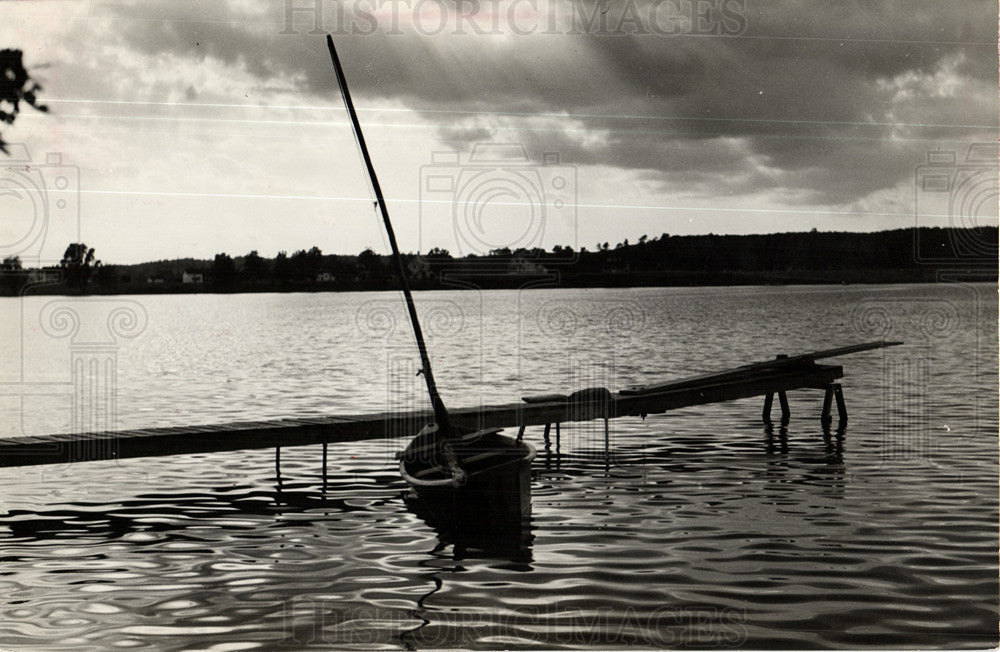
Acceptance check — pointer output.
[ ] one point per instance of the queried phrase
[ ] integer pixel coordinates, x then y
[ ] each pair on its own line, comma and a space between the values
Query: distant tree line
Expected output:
79, 263
903, 255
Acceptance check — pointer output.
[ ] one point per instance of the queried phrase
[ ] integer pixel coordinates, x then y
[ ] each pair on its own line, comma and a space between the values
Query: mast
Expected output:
440, 412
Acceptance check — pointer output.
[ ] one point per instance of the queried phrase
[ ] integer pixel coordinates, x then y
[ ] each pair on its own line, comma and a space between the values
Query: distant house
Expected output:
193, 277
325, 277
521, 265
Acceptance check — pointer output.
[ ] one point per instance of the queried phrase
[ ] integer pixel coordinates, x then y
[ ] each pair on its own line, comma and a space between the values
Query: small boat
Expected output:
443, 463
483, 469
479, 524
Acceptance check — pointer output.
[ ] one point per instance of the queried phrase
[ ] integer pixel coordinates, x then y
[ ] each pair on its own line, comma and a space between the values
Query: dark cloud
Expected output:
828, 100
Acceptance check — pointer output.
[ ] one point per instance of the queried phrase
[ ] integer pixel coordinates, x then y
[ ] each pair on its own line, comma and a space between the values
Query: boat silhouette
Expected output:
443, 463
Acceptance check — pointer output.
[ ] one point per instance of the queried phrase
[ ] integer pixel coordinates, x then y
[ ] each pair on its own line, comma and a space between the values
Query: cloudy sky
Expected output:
190, 128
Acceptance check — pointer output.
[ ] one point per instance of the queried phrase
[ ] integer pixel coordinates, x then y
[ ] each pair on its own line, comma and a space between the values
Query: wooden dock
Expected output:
769, 378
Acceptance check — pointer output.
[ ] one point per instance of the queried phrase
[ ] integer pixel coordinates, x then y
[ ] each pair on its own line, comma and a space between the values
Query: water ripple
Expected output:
700, 528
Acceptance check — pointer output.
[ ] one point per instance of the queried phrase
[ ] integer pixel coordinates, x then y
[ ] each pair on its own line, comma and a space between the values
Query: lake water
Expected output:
699, 528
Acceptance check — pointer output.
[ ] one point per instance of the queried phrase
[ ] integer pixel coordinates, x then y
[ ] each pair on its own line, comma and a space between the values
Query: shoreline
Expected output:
913, 255
550, 281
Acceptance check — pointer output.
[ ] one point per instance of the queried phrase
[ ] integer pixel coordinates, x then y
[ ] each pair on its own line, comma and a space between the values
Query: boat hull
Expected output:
497, 481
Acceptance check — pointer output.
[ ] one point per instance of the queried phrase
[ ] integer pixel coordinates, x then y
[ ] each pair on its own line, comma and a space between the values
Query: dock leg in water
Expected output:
838, 393
545, 435
824, 417
768, 401
557, 436
834, 443
520, 433
277, 464
324, 467
783, 401
769, 438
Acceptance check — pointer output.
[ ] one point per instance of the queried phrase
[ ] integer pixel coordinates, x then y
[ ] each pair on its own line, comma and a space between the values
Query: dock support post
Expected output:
557, 436
838, 393
520, 433
277, 463
324, 465
824, 416
768, 401
783, 400
545, 435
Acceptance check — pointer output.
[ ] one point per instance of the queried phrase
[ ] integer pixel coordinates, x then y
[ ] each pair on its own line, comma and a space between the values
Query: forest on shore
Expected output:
914, 255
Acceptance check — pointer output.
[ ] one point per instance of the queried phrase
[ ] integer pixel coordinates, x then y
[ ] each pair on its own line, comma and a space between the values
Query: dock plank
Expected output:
755, 380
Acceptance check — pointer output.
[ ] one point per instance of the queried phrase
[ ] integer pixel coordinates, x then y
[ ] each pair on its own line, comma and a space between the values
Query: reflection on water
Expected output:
698, 528
474, 534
